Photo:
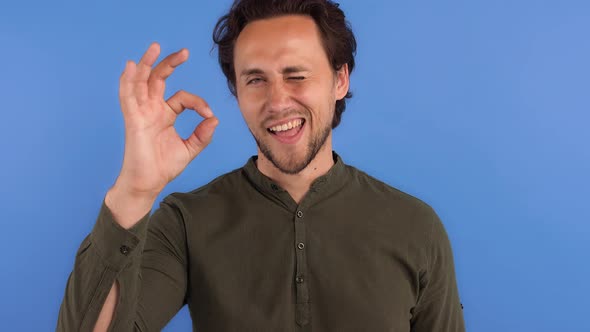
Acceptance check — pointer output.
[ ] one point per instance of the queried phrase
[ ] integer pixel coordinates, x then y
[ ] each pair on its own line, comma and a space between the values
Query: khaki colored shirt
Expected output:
354, 255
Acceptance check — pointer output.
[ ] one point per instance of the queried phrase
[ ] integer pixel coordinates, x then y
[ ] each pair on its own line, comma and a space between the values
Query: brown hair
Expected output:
337, 36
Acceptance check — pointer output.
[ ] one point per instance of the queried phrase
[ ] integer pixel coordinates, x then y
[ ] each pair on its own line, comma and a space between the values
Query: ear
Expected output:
342, 82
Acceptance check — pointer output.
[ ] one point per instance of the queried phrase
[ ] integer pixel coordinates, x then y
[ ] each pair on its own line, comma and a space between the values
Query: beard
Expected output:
291, 164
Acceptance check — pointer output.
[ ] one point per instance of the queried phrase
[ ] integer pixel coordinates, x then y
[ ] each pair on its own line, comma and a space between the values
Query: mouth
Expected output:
288, 131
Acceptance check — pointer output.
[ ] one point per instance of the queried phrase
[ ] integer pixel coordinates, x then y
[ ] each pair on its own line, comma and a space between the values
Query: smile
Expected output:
288, 132
286, 126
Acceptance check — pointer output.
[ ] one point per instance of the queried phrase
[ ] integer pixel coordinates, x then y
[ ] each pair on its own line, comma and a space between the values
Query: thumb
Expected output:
201, 136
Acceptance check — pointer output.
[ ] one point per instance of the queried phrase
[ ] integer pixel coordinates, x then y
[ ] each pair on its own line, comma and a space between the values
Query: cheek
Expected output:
255, 96
323, 99
312, 96
247, 114
254, 119
249, 106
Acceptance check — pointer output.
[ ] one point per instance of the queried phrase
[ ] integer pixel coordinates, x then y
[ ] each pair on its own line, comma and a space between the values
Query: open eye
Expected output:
254, 81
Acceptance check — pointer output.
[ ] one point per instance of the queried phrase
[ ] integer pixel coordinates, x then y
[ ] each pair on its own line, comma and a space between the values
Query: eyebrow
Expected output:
294, 69
252, 71
286, 70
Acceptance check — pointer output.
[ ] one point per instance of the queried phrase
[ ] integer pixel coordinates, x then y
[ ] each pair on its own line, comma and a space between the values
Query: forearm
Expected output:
127, 210
106, 314
109, 254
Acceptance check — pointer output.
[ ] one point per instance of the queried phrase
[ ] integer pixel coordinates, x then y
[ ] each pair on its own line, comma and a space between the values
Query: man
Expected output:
293, 241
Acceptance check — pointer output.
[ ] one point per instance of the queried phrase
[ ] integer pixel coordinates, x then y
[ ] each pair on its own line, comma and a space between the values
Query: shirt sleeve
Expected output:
149, 263
438, 308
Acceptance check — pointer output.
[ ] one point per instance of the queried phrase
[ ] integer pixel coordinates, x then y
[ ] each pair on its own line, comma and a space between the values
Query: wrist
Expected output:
128, 207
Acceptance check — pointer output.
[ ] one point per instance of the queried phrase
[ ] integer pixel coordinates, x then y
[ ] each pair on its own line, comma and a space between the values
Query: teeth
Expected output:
287, 126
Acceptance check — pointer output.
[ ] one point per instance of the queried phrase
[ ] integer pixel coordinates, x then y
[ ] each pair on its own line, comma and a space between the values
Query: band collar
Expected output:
324, 185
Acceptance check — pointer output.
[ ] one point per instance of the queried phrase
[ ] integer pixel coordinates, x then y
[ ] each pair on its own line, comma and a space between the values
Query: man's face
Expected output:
286, 89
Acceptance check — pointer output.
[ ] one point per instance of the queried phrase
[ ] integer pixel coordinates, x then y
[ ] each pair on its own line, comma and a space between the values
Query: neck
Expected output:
297, 185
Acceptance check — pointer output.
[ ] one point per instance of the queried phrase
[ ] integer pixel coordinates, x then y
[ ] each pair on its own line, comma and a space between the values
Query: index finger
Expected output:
182, 100
156, 81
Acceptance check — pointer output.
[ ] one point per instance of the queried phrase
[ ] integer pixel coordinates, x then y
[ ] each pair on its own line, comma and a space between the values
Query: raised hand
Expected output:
154, 152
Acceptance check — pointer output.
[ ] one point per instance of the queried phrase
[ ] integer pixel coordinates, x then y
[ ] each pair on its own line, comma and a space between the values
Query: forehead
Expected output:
279, 39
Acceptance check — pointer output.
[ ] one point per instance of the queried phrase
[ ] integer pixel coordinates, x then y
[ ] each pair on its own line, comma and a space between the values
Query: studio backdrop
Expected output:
479, 108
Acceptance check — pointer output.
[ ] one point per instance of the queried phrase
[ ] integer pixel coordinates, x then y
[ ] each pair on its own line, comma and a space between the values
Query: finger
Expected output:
144, 68
182, 100
201, 136
157, 80
126, 95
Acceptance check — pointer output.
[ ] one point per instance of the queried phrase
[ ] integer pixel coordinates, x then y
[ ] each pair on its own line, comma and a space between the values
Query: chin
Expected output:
291, 164
287, 161
292, 159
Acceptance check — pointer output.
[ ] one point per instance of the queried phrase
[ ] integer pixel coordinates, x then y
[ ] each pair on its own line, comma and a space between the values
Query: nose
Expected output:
278, 97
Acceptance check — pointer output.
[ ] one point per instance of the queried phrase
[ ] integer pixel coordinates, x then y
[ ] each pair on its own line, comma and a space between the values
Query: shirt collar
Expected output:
324, 185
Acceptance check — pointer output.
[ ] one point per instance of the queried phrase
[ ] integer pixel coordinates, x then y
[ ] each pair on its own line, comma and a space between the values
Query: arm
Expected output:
106, 314
99, 262
126, 209
438, 308
126, 275
138, 291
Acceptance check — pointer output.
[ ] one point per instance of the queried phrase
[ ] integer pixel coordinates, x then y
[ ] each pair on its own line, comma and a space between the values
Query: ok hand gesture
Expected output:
154, 152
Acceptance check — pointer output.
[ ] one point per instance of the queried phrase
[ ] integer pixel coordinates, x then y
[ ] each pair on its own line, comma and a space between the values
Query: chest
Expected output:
309, 269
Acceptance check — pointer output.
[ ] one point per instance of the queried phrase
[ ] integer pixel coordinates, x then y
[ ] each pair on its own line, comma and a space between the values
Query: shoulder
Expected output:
380, 190
224, 188
414, 211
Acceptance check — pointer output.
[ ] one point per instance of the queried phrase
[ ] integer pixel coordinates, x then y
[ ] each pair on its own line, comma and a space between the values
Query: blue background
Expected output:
480, 108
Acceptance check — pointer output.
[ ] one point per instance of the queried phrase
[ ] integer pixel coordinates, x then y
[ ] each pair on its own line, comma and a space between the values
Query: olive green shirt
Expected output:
354, 255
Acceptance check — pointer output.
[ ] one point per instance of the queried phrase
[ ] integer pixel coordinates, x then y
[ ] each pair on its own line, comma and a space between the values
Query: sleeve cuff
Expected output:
114, 244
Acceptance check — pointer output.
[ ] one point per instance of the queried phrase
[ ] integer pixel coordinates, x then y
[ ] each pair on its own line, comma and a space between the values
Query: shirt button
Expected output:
301, 245
299, 279
299, 214
125, 250
274, 187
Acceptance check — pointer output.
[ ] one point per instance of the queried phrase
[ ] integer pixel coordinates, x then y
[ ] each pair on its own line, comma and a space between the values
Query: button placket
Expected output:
301, 285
